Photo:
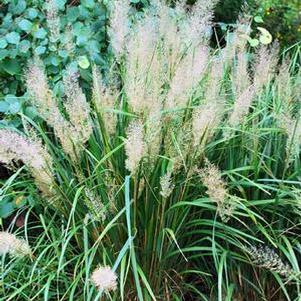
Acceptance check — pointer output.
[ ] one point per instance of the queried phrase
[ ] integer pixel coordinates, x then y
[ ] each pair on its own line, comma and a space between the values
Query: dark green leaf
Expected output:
10, 99
63, 53
17, 7
60, 4
31, 112
3, 54
11, 66
258, 19
55, 61
72, 14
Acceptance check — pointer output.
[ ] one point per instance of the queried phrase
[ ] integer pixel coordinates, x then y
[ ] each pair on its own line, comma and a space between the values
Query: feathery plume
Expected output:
216, 186
95, 205
104, 99
171, 43
69, 45
77, 107
14, 147
111, 185
284, 85
166, 185
292, 128
216, 190
177, 142
134, 145
141, 48
205, 119
267, 258
238, 40
189, 72
296, 86
38, 89
119, 26
241, 78
153, 106
42, 98
53, 20
198, 26
241, 106
213, 87
154, 101
146, 69
287, 114
265, 66
104, 278
71, 136
153, 137
10, 244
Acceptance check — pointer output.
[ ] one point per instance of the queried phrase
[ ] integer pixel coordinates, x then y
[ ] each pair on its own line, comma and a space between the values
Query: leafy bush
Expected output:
58, 32
180, 178
280, 17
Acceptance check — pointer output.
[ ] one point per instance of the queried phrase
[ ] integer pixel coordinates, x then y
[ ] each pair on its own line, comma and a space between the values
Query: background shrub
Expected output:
25, 32
282, 18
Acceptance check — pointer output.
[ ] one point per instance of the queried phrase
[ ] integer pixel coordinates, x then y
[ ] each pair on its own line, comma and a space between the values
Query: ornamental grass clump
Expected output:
175, 160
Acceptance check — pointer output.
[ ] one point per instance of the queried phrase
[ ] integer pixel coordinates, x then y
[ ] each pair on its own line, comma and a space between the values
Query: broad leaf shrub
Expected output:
282, 18
60, 32
180, 180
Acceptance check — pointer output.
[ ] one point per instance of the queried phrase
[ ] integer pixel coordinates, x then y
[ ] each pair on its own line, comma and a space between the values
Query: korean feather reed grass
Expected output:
177, 178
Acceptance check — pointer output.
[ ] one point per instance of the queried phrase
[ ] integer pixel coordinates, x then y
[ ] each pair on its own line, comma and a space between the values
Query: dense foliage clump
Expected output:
176, 178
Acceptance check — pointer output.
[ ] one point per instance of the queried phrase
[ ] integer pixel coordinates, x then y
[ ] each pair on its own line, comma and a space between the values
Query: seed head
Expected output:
188, 74
95, 205
119, 26
166, 185
267, 258
104, 279
265, 66
15, 147
216, 190
53, 20
134, 145
10, 244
